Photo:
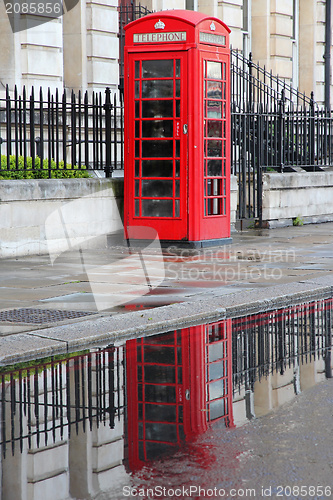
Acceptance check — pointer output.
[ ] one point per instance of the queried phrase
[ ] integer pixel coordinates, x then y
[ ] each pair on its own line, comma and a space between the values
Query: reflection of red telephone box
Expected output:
177, 127
177, 383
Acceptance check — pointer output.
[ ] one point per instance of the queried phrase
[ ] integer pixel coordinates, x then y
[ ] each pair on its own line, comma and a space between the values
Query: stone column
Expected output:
75, 48
261, 35
8, 59
307, 45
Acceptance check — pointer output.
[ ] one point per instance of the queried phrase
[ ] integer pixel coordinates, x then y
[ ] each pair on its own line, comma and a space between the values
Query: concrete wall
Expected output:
54, 215
308, 196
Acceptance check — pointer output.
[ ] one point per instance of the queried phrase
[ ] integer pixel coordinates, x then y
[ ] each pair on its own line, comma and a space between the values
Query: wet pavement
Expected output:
93, 295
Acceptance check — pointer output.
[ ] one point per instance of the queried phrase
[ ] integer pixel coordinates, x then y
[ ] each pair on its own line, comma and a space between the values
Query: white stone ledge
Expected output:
308, 196
39, 216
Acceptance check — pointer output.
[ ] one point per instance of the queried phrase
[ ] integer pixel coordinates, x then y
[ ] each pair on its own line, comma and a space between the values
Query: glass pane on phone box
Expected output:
137, 69
214, 168
157, 108
216, 409
157, 168
137, 129
164, 374
157, 188
160, 393
157, 208
177, 68
214, 70
177, 88
214, 148
161, 432
157, 88
214, 128
157, 128
214, 90
216, 370
216, 389
214, 109
177, 210
157, 149
160, 413
157, 68
159, 354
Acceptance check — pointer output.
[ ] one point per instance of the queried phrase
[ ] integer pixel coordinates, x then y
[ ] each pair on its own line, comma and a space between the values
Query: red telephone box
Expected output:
177, 127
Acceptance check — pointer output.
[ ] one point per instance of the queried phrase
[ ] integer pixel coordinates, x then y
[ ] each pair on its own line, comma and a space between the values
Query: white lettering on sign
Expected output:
173, 36
211, 38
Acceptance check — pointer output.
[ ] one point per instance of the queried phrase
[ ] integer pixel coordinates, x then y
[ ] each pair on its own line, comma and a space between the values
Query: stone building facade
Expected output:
80, 50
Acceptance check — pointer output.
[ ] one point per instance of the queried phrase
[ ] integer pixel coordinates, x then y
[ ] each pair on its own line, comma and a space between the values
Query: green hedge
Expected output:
39, 172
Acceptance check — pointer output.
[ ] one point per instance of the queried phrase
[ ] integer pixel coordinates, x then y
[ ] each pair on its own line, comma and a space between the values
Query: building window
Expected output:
246, 27
295, 35
192, 4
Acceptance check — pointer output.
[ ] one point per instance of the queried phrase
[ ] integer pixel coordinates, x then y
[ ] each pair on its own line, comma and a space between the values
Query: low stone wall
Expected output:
307, 197
53, 215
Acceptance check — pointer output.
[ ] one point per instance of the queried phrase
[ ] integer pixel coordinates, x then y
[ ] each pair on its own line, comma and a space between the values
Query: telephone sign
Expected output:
177, 127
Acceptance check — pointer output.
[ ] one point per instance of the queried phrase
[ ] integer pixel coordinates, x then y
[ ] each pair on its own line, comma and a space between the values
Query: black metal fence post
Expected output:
8, 126
312, 132
281, 132
250, 79
107, 108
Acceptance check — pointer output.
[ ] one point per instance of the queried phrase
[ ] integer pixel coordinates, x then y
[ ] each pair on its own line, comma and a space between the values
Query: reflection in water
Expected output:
180, 381
73, 427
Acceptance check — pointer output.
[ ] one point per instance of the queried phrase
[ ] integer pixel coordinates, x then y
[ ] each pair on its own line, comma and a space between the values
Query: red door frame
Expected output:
173, 227
201, 226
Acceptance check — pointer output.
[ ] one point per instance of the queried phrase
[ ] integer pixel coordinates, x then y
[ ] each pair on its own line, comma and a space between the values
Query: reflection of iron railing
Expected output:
273, 341
42, 402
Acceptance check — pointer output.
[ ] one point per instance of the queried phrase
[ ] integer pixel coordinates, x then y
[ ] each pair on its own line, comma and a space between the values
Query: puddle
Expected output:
170, 413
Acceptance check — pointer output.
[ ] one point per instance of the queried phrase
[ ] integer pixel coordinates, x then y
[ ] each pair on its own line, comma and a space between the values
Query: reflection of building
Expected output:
179, 382
279, 353
61, 428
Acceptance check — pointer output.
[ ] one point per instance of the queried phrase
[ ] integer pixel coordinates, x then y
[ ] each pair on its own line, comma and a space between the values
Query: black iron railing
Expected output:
273, 127
252, 85
79, 132
282, 138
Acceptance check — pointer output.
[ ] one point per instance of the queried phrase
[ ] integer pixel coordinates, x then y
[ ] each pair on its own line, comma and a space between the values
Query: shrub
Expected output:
39, 171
